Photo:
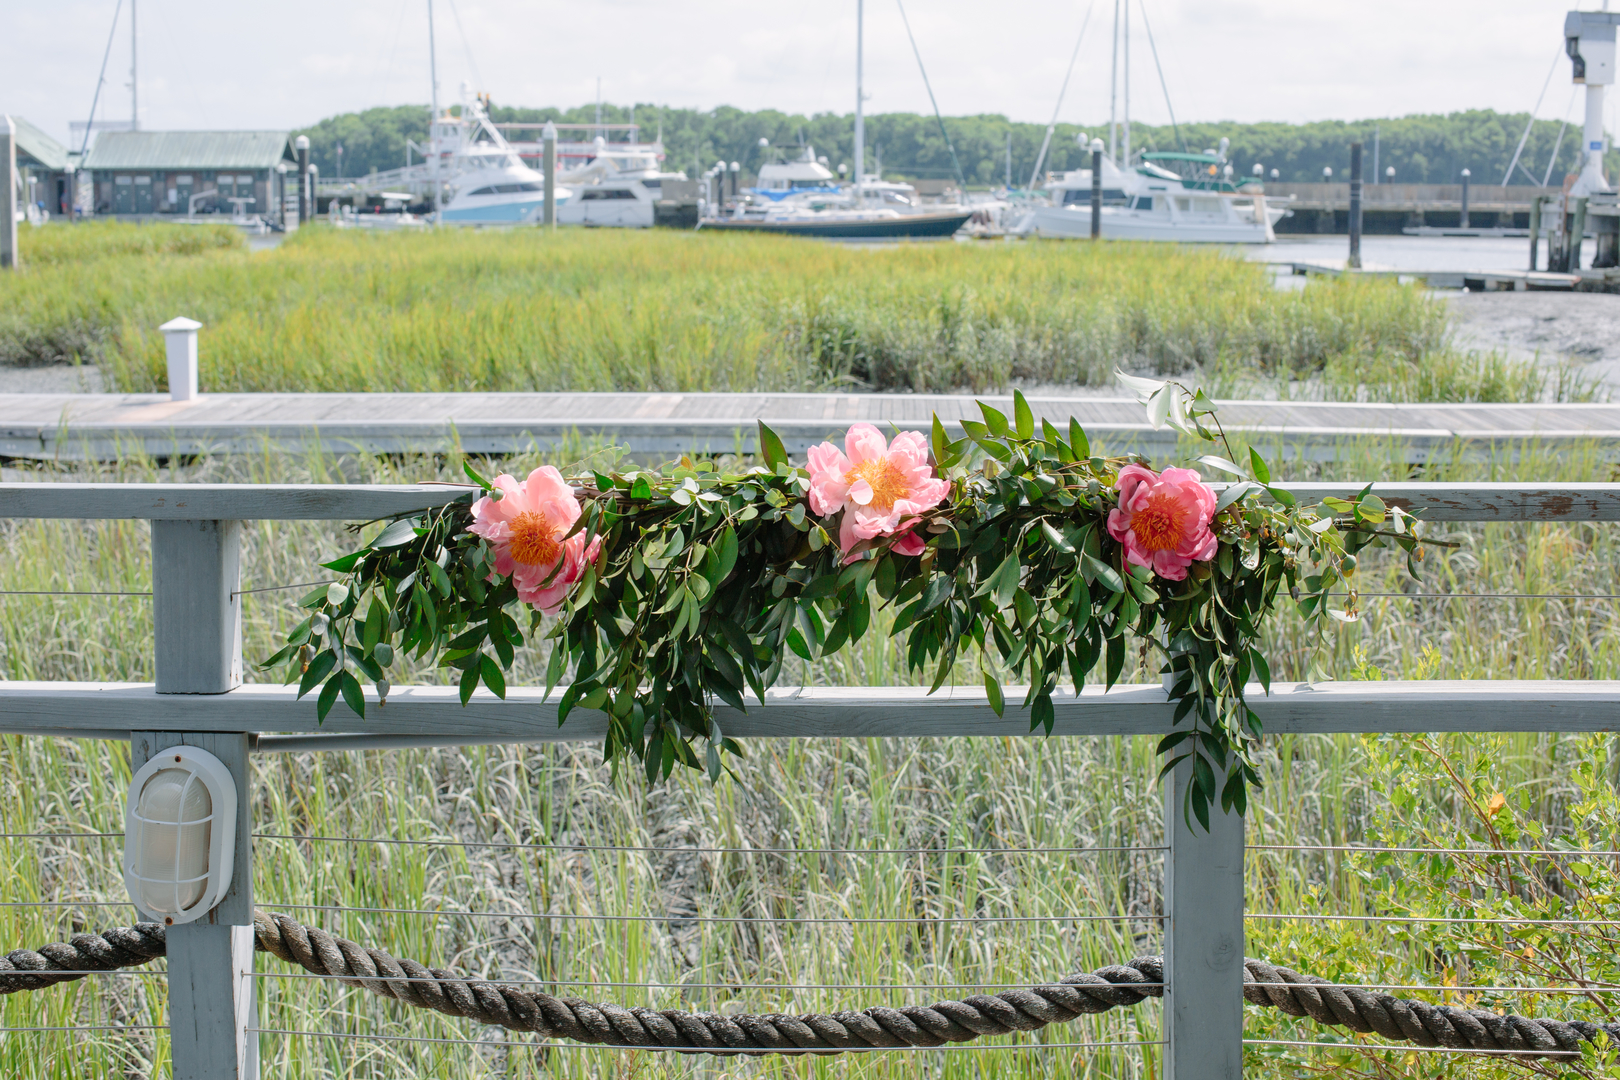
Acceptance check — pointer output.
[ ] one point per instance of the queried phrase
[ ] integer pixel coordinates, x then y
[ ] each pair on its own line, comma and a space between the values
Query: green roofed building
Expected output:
44, 165
140, 173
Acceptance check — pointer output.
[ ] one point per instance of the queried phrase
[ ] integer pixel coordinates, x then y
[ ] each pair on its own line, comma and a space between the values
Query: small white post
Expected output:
180, 341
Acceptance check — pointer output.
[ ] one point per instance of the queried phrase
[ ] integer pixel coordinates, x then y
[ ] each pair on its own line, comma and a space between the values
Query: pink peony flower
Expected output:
881, 487
526, 528
1163, 520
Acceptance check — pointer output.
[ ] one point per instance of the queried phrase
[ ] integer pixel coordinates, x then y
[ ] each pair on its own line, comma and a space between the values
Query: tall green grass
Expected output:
933, 794
660, 310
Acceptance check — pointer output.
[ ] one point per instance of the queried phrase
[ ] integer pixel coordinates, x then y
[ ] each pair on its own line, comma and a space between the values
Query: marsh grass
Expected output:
1000, 795
670, 311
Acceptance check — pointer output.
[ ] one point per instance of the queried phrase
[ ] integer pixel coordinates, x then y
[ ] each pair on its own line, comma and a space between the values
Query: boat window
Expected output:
1184, 205
484, 191
1144, 202
1207, 206
1076, 195
653, 183
595, 194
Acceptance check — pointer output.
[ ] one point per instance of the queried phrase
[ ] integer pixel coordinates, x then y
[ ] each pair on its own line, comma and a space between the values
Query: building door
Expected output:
183, 191
123, 195
143, 195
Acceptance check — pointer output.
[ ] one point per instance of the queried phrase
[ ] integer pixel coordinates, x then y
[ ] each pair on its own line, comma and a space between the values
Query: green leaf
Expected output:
1097, 570
328, 696
994, 420
641, 489
441, 580
1116, 659
554, 667
492, 676
1233, 493
770, 445
1055, 538
1023, 418
354, 695
472, 474
728, 552
336, 593
469, 682
376, 625
1042, 714
397, 534
795, 641
1078, 441
992, 690
1262, 471
319, 667
1283, 497
346, 563
941, 443
1004, 582
1216, 462
1262, 669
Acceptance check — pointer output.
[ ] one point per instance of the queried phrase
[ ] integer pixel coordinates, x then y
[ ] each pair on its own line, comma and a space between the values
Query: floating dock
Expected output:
1474, 280
76, 427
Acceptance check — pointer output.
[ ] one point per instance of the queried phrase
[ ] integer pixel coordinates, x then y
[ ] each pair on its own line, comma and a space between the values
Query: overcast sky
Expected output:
208, 65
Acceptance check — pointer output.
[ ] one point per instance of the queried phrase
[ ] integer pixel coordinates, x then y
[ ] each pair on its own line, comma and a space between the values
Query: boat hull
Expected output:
1074, 222
900, 226
520, 212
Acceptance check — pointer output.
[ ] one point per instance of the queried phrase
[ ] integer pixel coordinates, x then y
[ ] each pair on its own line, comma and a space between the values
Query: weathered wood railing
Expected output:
198, 699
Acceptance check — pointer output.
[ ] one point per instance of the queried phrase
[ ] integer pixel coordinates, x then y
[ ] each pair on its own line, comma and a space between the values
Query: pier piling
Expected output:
1096, 188
1354, 261
8, 198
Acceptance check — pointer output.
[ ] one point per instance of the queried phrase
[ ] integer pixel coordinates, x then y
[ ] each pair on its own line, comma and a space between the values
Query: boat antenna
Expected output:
134, 75
1125, 83
1530, 122
1160, 68
1046, 143
433, 122
957, 165
1113, 92
860, 102
466, 46
90, 125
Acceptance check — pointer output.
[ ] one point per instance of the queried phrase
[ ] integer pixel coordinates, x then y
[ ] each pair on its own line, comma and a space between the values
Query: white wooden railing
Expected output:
199, 699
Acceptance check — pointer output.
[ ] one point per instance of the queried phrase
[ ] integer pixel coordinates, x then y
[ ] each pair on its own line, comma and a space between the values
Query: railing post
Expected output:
197, 624
1203, 940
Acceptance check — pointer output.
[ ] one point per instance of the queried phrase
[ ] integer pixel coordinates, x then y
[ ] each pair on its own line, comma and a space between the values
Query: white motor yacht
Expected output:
1185, 198
617, 188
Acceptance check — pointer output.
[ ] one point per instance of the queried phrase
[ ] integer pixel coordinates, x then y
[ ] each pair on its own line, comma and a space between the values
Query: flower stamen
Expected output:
533, 541
887, 482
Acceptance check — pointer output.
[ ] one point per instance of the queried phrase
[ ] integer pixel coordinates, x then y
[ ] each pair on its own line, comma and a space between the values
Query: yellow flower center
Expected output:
1159, 526
533, 543
888, 483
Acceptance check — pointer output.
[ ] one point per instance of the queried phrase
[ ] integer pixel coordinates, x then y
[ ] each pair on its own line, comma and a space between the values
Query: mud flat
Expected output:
1548, 326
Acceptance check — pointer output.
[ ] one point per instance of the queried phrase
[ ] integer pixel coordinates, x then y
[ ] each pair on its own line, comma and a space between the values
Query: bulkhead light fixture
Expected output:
180, 834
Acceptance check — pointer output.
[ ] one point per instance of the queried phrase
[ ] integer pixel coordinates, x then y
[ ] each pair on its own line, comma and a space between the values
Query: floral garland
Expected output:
662, 592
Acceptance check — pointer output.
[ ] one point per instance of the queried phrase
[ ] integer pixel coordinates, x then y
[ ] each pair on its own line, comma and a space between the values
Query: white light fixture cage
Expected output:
180, 834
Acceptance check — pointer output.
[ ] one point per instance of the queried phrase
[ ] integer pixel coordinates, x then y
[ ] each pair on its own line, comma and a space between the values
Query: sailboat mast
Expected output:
860, 100
1125, 83
1113, 91
134, 80
433, 121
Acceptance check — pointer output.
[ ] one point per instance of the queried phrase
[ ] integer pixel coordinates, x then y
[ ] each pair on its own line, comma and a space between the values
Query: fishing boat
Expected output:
1186, 198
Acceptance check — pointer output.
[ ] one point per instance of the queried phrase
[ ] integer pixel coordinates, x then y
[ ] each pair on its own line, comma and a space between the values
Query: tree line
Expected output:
990, 149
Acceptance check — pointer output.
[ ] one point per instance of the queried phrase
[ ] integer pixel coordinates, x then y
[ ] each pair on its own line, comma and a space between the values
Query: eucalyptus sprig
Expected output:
702, 582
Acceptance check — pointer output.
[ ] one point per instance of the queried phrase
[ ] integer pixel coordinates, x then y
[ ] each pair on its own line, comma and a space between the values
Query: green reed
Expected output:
661, 310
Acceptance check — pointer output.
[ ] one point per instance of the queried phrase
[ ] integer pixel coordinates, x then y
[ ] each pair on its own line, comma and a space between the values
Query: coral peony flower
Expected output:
881, 487
1163, 520
526, 527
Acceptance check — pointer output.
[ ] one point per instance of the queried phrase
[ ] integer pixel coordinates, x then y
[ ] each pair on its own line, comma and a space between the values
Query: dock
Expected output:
1586, 280
659, 426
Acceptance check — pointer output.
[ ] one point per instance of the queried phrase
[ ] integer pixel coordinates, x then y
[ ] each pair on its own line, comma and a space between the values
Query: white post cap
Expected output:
1096, 146
549, 132
180, 346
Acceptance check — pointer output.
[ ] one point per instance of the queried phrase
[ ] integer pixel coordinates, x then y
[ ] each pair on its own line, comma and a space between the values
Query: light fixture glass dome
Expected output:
179, 834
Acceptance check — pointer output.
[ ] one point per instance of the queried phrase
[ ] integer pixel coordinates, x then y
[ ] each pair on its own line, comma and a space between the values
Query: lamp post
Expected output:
1354, 260
1463, 221
548, 137
301, 144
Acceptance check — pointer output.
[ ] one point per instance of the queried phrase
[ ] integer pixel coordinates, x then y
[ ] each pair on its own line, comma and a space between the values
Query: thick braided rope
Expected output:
520, 1009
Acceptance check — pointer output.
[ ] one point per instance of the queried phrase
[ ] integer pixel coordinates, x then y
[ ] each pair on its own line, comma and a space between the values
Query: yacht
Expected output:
484, 180
617, 187
1186, 198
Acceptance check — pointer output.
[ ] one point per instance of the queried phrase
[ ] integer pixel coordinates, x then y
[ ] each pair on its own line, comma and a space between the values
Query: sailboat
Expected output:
844, 215
1157, 195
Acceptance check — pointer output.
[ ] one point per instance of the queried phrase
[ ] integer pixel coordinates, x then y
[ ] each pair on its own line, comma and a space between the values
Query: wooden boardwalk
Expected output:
98, 426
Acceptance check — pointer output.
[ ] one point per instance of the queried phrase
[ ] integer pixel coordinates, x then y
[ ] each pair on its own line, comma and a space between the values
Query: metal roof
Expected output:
39, 146
189, 150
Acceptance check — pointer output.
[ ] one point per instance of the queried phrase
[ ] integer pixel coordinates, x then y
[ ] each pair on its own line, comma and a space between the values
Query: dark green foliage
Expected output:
1427, 148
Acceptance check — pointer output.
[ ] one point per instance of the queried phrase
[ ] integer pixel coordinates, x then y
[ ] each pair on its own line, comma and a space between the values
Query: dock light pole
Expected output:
1462, 222
8, 197
301, 144
1389, 174
548, 138
1096, 188
736, 173
1354, 261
